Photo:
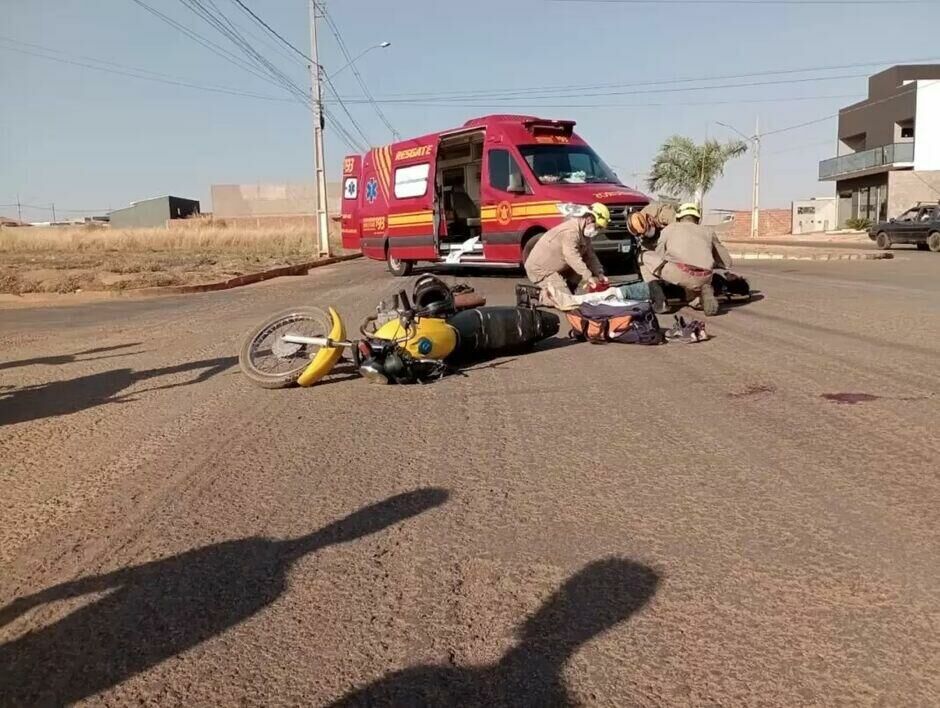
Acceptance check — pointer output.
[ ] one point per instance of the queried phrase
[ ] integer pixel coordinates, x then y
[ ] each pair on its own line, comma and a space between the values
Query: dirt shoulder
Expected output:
66, 272
68, 260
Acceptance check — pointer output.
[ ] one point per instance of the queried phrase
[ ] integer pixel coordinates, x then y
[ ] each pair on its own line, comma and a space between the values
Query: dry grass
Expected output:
68, 259
272, 242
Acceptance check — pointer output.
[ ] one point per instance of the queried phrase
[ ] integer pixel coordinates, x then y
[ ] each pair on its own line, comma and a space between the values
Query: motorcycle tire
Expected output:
308, 321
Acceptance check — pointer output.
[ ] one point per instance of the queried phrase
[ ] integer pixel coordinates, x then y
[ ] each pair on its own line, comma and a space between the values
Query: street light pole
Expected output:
380, 45
755, 197
755, 193
323, 221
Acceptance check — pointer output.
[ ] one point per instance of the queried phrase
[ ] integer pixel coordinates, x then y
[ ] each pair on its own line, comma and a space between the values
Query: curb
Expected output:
820, 244
239, 281
777, 256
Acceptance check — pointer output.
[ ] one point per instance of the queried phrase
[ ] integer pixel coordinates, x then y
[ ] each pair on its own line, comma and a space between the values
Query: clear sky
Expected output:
86, 139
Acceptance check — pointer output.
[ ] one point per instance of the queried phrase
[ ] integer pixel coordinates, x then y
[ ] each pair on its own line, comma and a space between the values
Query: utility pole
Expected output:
754, 141
53, 212
755, 198
700, 197
323, 221
19, 209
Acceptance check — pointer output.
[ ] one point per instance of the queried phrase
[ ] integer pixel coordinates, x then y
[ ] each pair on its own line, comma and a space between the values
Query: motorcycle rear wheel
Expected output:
272, 363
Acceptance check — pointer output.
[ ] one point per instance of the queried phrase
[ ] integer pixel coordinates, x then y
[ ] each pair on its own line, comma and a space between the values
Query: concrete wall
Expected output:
817, 215
268, 200
927, 126
150, 213
907, 187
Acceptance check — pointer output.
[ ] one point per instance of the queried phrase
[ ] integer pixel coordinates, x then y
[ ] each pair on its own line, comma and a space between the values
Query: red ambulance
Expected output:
479, 194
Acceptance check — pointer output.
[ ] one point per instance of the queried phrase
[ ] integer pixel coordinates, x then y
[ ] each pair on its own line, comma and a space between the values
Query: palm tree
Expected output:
684, 168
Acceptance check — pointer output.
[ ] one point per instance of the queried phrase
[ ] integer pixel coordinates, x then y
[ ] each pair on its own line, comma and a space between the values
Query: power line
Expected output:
347, 139
863, 106
658, 82
351, 63
251, 30
747, 2
130, 72
278, 78
351, 142
930, 186
222, 23
233, 59
246, 48
199, 39
796, 148
273, 31
220, 16
319, 67
748, 84
58, 209
497, 106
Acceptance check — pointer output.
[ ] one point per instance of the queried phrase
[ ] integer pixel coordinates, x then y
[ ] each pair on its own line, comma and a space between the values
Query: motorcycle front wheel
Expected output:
269, 361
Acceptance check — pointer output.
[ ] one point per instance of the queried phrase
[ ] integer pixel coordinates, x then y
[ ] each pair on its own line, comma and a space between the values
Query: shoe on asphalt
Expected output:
685, 331
709, 301
658, 297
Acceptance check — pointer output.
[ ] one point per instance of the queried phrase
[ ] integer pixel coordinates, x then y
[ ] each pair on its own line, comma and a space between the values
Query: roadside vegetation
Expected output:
70, 259
689, 170
858, 223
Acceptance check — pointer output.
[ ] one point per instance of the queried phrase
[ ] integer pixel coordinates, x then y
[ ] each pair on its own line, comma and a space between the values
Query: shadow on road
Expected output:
600, 596
724, 306
73, 395
157, 610
62, 359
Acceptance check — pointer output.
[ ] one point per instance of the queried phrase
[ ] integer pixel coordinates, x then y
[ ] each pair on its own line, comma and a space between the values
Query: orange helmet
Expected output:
638, 223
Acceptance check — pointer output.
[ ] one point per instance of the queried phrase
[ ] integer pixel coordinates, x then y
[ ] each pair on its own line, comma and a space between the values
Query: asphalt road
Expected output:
715, 523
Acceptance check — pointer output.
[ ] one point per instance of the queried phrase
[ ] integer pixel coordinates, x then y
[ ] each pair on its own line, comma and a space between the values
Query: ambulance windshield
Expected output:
567, 164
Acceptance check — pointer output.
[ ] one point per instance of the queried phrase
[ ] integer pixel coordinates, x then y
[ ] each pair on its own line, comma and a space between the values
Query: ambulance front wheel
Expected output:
397, 266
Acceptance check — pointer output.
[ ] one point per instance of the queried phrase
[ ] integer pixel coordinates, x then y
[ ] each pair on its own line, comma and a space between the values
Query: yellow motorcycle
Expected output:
412, 340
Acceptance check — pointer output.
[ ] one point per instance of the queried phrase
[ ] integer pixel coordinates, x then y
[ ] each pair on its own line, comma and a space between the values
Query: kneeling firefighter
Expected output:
564, 256
686, 255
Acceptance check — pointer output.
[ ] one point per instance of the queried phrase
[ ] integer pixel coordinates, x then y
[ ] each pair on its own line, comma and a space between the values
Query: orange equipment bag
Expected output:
600, 323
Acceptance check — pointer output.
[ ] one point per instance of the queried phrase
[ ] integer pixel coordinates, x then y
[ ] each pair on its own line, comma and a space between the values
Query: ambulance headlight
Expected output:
569, 209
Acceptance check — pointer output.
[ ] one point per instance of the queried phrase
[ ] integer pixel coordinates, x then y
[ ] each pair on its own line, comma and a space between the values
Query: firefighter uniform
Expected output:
662, 213
561, 259
686, 255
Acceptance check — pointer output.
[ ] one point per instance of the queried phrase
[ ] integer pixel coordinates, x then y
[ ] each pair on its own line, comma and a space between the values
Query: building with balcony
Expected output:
888, 155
